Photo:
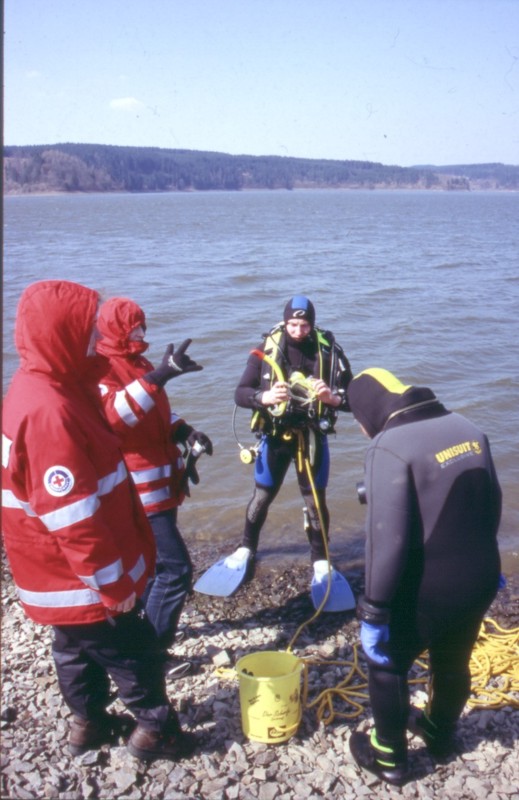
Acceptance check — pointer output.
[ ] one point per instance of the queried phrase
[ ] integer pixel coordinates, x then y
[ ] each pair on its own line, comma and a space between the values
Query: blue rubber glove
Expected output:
372, 638
502, 582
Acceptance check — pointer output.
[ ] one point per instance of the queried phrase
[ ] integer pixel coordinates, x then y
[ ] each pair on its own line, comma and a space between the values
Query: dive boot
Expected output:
439, 741
384, 762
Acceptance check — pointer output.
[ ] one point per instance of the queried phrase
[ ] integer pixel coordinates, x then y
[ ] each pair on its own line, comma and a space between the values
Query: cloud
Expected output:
126, 104
33, 74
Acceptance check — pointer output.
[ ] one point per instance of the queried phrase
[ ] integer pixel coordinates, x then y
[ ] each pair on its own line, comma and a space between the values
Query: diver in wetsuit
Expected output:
432, 562
289, 422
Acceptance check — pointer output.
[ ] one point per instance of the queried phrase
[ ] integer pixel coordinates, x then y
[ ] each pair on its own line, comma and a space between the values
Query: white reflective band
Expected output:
157, 496
6, 449
137, 571
124, 411
85, 508
137, 391
109, 482
9, 500
150, 475
69, 515
104, 576
65, 599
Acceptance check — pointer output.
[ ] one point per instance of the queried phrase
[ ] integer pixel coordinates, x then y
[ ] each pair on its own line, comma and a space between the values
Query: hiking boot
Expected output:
150, 745
176, 668
381, 761
87, 734
439, 741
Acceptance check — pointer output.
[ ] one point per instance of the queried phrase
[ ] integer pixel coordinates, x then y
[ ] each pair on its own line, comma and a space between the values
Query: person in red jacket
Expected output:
79, 545
139, 412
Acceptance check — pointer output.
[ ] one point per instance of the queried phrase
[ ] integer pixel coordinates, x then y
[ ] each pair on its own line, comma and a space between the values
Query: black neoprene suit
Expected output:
432, 558
276, 452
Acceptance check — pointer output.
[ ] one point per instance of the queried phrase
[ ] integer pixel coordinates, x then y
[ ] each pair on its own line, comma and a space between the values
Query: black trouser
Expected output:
166, 591
449, 657
274, 458
87, 656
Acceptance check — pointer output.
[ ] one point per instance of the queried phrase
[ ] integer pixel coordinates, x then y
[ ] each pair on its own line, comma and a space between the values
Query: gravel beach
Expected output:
265, 614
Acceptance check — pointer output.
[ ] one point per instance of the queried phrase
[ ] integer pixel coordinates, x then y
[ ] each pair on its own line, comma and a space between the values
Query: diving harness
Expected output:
302, 395
303, 407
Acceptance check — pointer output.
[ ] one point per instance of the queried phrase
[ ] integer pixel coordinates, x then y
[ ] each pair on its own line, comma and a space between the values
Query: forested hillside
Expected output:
105, 168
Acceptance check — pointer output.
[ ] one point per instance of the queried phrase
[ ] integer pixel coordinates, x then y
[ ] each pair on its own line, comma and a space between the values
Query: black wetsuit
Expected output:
283, 438
432, 560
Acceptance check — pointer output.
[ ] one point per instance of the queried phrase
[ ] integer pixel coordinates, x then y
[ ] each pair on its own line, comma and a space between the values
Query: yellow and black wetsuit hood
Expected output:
378, 399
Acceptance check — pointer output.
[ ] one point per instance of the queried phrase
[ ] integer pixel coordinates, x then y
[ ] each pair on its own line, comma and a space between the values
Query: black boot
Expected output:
386, 763
439, 740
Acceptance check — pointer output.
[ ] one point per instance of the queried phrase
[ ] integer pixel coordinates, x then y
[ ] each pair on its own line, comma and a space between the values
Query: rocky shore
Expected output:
315, 763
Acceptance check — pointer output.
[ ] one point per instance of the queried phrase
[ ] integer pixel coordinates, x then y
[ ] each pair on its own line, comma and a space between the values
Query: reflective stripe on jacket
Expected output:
139, 412
75, 533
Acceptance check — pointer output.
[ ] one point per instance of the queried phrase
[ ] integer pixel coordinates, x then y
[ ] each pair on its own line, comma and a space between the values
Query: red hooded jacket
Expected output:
75, 533
138, 411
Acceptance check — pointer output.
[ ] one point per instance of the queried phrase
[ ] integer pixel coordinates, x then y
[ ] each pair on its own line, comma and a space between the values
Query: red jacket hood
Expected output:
118, 317
54, 325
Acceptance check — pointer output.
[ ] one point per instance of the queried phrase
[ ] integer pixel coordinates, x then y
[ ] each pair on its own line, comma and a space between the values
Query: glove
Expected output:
173, 364
205, 445
502, 582
373, 638
201, 438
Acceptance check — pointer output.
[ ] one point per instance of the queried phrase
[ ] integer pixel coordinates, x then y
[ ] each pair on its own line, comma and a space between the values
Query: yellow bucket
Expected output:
270, 695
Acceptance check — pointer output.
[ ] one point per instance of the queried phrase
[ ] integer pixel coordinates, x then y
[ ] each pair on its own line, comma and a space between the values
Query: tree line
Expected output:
107, 168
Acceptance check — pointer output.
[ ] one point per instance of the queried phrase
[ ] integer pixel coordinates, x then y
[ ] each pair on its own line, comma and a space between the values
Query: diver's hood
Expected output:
377, 397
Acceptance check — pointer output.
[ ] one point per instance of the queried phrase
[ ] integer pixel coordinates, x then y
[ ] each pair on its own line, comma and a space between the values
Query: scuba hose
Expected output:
278, 410
304, 460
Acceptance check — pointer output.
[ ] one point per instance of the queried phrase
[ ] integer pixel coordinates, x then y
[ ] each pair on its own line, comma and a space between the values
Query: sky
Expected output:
405, 82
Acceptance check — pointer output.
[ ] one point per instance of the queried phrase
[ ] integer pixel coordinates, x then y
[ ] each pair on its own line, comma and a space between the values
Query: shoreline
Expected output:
276, 190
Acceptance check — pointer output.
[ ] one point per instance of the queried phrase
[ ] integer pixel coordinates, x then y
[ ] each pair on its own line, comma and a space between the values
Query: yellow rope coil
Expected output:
494, 668
351, 692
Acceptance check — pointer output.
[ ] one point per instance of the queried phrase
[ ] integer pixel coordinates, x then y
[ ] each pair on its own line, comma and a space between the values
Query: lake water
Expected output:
424, 284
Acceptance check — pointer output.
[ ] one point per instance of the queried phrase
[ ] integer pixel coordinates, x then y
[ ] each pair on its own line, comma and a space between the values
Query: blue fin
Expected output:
340, 597
221, 580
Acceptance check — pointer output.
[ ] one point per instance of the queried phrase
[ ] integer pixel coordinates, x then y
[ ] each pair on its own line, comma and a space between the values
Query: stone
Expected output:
313, 764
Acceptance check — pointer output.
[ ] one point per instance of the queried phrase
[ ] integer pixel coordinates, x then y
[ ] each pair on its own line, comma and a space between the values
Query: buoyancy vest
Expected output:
327, 367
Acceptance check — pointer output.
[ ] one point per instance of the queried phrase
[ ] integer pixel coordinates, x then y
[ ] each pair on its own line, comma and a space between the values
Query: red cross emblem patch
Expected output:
58, 481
